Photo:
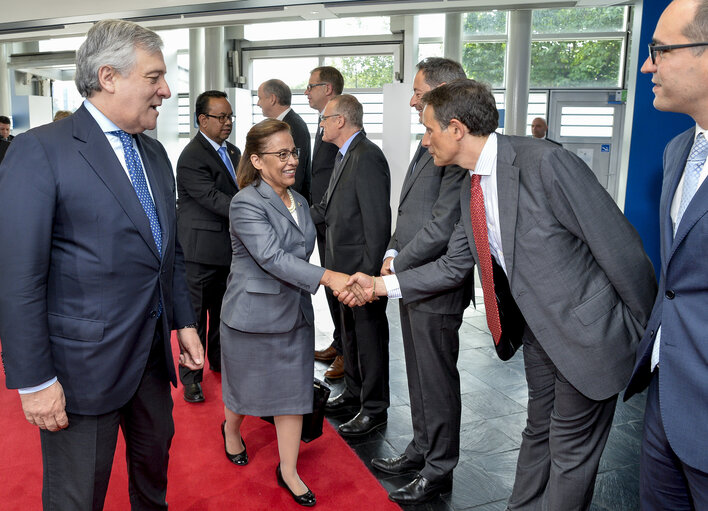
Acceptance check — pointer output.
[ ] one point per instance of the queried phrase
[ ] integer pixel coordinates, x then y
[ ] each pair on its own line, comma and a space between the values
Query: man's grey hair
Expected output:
280, 89
350, 108
438, 70
697, 30
111, 43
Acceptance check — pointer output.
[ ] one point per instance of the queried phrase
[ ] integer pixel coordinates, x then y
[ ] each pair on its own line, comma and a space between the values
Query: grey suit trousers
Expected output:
564, 422
431, 344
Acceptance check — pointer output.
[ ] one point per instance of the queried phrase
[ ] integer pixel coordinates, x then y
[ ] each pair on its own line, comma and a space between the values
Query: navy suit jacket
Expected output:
80, 275
681, 309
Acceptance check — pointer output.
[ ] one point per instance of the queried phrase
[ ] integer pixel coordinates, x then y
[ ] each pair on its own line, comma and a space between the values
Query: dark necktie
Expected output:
137, 178
418, 155
335, 174
481, 241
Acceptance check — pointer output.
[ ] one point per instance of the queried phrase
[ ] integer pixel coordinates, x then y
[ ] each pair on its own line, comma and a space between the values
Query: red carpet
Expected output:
200, 476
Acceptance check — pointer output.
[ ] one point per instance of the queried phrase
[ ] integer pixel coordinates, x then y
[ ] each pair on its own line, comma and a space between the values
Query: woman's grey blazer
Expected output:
270, 280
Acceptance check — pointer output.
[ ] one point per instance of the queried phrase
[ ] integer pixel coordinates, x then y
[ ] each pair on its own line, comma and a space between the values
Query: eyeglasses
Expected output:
311, 86
284, 155
655, 49
223, 118
325, 117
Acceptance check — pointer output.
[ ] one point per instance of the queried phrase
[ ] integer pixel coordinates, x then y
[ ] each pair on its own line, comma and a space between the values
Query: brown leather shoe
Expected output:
336, 370
326, 355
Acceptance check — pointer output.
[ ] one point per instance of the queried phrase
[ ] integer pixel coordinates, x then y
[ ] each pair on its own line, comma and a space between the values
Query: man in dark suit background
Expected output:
5, 129
93, 280
274, 98
206, 182
4, 146
577, 272
428, 211
671, 358
539, 129
326, 82
356, 210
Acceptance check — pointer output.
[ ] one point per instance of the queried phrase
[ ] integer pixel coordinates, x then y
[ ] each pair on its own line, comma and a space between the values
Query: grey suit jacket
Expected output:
428, 210
270, 276
576, 266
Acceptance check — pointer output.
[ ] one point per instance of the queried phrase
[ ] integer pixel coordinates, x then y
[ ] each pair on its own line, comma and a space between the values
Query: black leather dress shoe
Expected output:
362, 425
239, 459
398, 465
307, 499
193, 393
335, 404
421, 489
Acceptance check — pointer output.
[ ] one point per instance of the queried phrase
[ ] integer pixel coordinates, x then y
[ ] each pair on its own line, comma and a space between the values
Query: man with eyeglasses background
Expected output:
356, 211
325, 83
671, 358
206, 182
274, 98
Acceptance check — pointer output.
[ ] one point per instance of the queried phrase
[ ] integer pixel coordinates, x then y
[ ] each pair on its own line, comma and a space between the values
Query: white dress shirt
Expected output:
487, 168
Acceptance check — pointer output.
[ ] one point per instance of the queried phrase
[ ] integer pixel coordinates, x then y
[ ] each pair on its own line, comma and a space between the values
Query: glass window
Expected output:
362, 72
484, 62
592, 19
431, 25
281, 30
61, 44
430, 50
576, 63
295, 71
357, 26
586, 121
484, 23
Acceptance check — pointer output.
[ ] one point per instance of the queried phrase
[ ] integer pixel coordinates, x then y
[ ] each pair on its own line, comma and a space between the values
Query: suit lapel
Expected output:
215, 156
338, 171
508, 193
672, 177
423, 160
275, 201
100, 156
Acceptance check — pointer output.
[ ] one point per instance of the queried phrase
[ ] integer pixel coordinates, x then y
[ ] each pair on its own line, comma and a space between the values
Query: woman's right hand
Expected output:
337, 282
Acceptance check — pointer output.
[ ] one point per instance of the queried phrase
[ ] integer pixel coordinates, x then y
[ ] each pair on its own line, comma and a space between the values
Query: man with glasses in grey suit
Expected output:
577, 272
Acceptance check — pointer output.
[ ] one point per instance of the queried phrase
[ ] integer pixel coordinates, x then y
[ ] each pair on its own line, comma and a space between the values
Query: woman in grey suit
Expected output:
267, 317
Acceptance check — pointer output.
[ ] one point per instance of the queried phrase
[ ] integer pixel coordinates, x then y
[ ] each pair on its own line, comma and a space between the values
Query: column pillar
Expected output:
518, 60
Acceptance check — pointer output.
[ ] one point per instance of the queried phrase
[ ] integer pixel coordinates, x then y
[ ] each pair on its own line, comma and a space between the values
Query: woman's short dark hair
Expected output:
256, 142
468, 101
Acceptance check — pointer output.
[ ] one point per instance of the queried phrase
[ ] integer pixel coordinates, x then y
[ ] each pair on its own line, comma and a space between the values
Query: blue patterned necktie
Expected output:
227, 162
691, 173
137, 177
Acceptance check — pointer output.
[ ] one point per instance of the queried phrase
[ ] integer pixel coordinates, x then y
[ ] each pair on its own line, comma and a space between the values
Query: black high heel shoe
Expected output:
241, 458
307, 499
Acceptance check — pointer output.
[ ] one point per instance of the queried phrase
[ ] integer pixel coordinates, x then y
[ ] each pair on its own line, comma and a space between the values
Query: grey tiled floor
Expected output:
493, 416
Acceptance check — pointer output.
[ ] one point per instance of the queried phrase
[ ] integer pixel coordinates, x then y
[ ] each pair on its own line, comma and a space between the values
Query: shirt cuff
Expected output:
29, 390
392, 252
393, 289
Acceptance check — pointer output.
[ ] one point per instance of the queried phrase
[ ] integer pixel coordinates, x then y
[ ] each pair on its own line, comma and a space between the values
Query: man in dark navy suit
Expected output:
671, 358
92, 280
274, 98
206, 183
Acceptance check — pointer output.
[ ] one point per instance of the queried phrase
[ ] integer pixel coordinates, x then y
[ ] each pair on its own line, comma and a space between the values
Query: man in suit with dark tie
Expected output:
93, 280
274, 98
325, 83
5, 129
577, 272
671, 358
428, 210
206, 182
356, 210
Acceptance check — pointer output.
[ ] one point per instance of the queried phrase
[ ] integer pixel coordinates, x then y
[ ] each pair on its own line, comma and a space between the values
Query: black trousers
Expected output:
332, 301
207, 285
365, 343
77, 460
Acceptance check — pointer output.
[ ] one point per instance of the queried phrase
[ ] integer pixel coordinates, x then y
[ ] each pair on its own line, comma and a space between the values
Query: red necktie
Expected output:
481, 240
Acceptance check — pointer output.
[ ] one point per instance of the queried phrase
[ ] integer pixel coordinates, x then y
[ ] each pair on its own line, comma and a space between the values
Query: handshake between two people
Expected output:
354, 290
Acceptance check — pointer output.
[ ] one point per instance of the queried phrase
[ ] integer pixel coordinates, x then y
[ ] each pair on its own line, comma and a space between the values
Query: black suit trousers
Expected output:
77, 461
431, 345
365, 347
207, 285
